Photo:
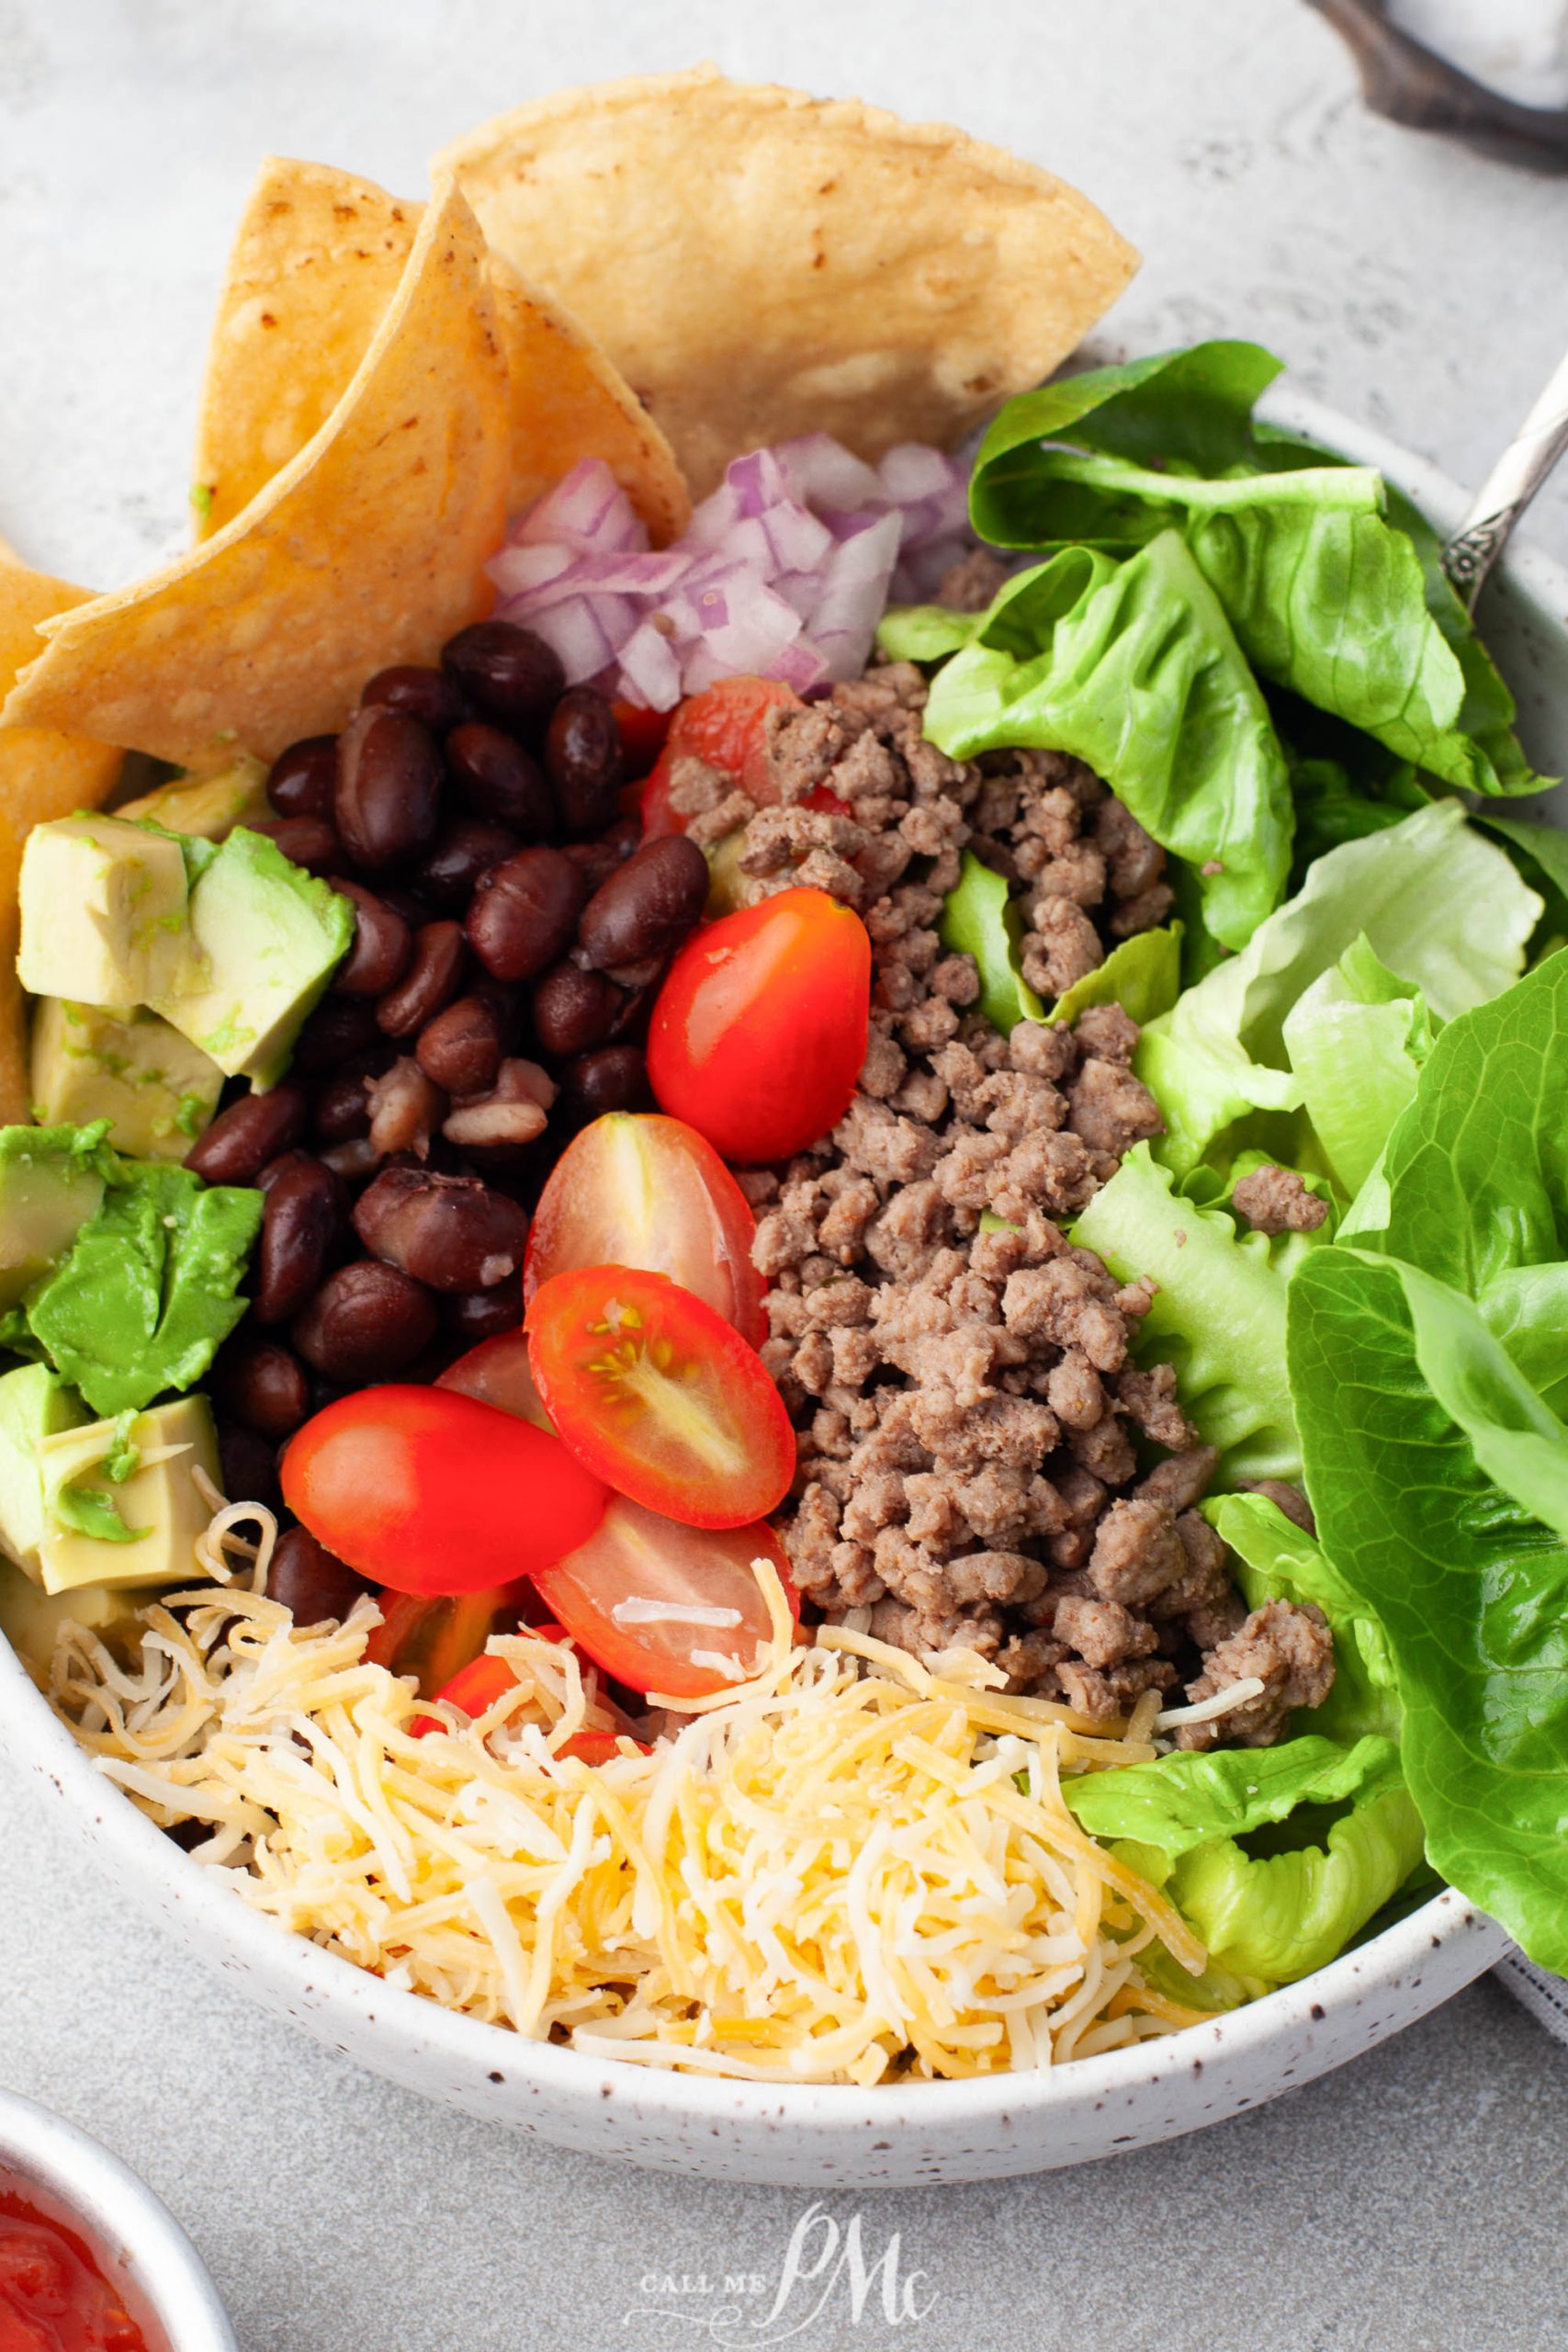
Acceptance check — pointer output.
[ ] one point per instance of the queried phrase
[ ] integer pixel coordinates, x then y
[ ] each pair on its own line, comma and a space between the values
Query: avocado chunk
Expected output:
35, 1403
121, 1507
156, 1090
103, 911
30, 1619
51, 1182
205, 807
149, 1288
265, 939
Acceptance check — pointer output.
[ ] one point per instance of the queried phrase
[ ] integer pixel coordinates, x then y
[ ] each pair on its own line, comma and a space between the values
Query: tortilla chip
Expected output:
317, 261
43, 773
760, 263
367, 549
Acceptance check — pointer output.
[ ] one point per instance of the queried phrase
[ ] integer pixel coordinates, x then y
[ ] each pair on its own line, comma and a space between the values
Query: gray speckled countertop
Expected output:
1413, 2202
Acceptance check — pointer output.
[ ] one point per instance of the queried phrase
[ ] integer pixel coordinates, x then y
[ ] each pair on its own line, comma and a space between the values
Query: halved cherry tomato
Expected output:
435, 1637
642, 734
723, 725
667, 1608
638, 1190
476, 1687
660, 1396
498, 1372
759, 1033
429, 1491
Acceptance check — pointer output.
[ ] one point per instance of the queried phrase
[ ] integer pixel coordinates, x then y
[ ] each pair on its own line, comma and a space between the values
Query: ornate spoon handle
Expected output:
1510, 487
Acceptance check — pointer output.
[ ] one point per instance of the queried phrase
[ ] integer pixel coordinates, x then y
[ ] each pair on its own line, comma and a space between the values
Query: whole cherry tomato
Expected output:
666, 1608
429, 1491
661, 1397
638, 1190
759, 1030
724, 726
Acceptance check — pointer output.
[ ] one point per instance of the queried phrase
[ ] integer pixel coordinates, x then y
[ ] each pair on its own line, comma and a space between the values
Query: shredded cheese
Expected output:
855, 1864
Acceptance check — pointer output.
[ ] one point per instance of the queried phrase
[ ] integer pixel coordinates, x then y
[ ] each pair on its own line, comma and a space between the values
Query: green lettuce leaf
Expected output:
1356, 1040
1143, 975
1429, 1369
1339, 1830
925, 632
149, 1288
1218, 1314
1132, 668
1221, 1053
980, 919
1275, 1560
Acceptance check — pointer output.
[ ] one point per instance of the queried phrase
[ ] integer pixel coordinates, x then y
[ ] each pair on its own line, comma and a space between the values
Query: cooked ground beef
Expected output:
1274, 1200
959, 1375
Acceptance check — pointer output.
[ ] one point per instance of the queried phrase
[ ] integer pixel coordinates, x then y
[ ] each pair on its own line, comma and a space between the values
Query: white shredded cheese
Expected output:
1205, 1711
854, 1864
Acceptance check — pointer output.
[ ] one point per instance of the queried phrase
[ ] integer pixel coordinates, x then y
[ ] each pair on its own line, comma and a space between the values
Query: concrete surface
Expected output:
1413, 2203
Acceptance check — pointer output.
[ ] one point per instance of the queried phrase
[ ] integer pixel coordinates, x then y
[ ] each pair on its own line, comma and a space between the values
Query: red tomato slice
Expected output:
429, 1491
642, 734
436, 1638
476, 1687
638, 1190
724, 726
759, 1033
498, 1372
667, 1608
660, 1396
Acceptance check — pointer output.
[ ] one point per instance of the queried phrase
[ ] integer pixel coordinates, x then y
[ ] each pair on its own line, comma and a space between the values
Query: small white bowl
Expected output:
897, 2135
137, 2243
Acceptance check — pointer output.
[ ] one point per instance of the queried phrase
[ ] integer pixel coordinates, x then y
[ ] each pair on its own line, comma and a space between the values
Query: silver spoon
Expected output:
1509, 489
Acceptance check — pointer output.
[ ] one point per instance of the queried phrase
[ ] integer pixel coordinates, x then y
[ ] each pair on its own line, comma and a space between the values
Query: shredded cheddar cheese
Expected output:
852, 1866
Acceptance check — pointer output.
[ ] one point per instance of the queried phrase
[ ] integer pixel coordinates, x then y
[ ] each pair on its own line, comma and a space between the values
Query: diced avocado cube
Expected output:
51, 1182
30, 1618
265, 937
156, 1090
160, 1496
35, 1403
205, 807
103, 911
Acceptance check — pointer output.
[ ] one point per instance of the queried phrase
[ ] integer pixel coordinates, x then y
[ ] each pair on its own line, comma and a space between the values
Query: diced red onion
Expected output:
783, 573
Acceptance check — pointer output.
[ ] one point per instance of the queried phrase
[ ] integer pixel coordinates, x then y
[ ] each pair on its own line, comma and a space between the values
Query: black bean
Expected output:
597, 860
573, 1008
382, 945
475, 1315
258, 1382
582, 758
648, 905
461, 1048
308, 842
497, 778
406, 902
507, 669
304, 782
312, 1583
242, 1139
429, 695
388, 788
249, 1464
300, 1226
434, 978
449, 1231
366, 1322
524, 912
342, 1107
340, 1027
614, 1079
463, 850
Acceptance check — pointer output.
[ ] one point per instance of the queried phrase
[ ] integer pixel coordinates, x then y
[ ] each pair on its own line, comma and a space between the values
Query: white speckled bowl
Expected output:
890, 2137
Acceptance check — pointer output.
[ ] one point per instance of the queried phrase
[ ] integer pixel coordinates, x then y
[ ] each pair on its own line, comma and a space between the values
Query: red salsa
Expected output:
53, 2294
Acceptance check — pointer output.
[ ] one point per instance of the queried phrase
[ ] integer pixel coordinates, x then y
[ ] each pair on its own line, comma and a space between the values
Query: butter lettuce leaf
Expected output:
1356, 1040
980, 919
1275, 1560
1132, 668
1342, 1833
1143, 975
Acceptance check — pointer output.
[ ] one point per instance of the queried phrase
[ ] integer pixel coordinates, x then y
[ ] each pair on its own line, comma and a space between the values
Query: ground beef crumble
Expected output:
976, 1441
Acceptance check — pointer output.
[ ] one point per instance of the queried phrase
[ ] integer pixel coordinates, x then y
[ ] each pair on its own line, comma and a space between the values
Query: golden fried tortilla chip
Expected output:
43, 773
367, 549
317, 258
760, 263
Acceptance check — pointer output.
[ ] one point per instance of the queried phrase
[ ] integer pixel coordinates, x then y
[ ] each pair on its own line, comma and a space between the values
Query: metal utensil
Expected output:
1510, 487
